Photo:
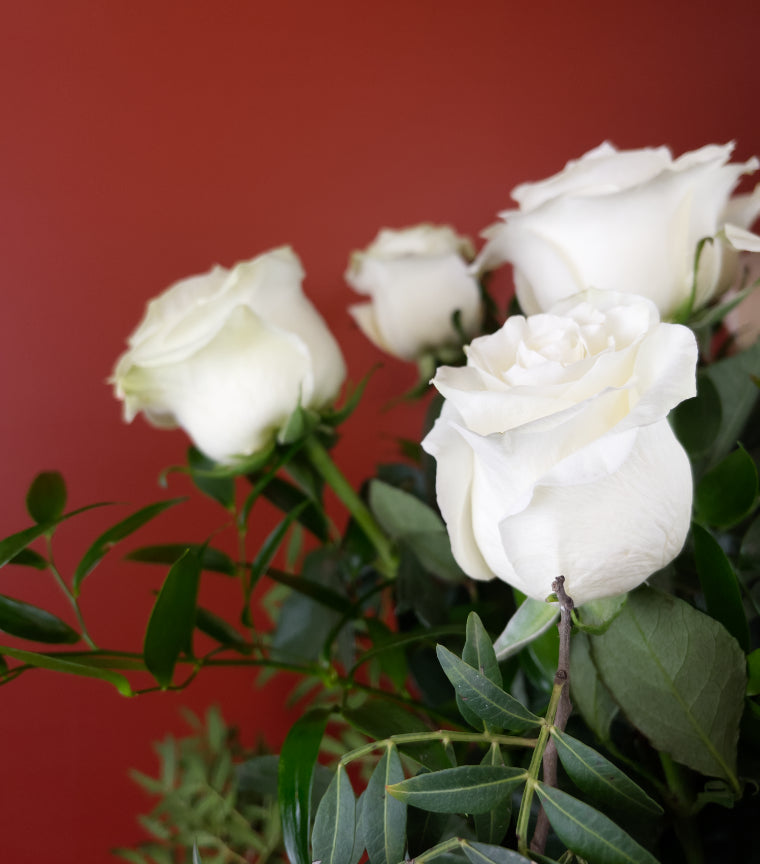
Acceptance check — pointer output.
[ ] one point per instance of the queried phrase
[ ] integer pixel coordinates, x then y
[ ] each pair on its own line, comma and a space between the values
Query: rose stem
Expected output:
562, 679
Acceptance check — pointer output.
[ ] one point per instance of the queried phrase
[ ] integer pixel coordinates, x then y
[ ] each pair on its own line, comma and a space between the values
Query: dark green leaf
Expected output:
589, 695
272, 543
30, 558
221, 489
433, 551
217, 628
728, 492
46, 497
117, 532
466, 789
288, 497
294, 781
478, 652
314, 590
588, 832
391, 662
486, 853
599, 778
696, 421
483, 697
753, 668
491, 827
56, 664
172, 620
213, 560
332, 839
719, 585
679, 677
532, 618
29, 622
383, 817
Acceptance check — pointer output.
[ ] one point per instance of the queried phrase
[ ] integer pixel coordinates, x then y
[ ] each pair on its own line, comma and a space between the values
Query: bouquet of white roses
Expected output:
594, 467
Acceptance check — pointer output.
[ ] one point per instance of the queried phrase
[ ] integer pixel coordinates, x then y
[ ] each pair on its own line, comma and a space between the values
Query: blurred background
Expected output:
145, 141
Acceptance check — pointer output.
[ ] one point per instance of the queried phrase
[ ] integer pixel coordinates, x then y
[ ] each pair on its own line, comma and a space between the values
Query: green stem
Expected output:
332, 475
682, 801
66, 590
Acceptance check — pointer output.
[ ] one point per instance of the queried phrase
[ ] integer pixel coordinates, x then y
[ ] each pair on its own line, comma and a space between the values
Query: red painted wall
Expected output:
143, 141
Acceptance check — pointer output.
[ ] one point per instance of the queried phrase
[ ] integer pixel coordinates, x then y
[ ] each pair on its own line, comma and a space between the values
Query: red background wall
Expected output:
144, 141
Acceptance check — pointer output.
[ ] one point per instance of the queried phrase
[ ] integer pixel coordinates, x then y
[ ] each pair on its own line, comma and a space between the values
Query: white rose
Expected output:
554, 453
627, 221
229, 355
416, 279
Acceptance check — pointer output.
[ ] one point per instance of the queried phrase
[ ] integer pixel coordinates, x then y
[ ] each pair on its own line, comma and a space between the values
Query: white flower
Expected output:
416, 279
627, 221
229, 355
554, 453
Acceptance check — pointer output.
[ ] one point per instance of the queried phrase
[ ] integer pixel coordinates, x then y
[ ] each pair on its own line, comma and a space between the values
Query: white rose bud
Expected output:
416, 279
627, 221
229, 355
554, 453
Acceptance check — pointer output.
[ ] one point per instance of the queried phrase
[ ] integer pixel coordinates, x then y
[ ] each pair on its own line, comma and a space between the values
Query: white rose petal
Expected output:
229, 355
554, 453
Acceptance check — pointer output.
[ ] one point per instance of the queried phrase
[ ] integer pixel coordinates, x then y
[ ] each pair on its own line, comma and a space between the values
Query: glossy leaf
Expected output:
465, 789
589, 695
487, 853
490, 827
114, 534
332, 839
728, 492
213, 560
679, 677
172, 620
588, 832
599, 778
483, 697
478, 652
295, 773
46, 497
28, 622
720, 586
71, 667
531, 619
383, 817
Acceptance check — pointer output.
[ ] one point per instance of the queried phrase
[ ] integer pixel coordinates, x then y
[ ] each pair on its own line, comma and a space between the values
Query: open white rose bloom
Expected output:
554, 454
229, 355
628, 221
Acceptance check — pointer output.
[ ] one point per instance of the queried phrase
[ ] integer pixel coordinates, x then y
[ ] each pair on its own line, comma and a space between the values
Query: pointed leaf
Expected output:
213, 560
201, 469
117, 532
728, 492
531, 620
218, 628
587, 832
172, 620
383, 818
719, 585
465, 789
491, 827
483, 697
679, 677
599, 778
589, 695
332, 839
486, 853
57, 664
309, 588
478, 652
29, 622
288, 497
46, 497
30, 558
295, 772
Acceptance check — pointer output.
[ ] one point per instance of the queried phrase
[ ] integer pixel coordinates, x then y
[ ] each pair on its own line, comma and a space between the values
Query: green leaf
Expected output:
753, 668
196, 855
588, 832
589, 695
288, 497
213, 560
491, 827
719, 585
383, 817
112, 536
172, 620
597, 615
696, 421
28, 622
272, 543
478, 652
30, 558
465, 789
483, 697
71, 667
679, 677
300, 423
728, 492
332, 839
201, 469
599, 778
532, 618
46, 497
314, 590
487, 853
295, 773
218, 628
